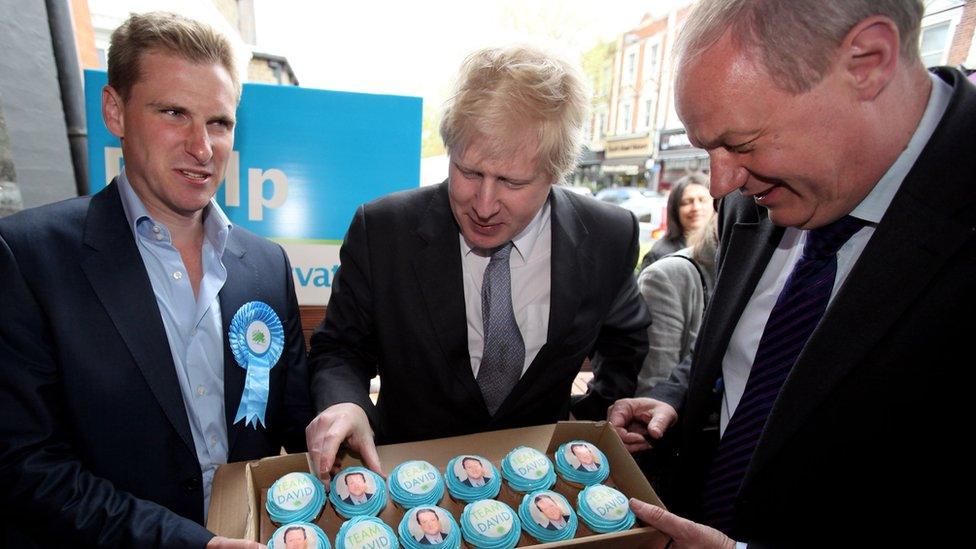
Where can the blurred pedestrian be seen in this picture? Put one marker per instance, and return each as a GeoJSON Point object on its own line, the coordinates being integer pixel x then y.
{"type": "Point", "coordinates": [689, 209]}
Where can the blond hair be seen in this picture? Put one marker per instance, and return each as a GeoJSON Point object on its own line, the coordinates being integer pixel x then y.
{"type": "Point", "coordinates": [501, 92]}
{"type": "Point", "coordinates": [168, 33]}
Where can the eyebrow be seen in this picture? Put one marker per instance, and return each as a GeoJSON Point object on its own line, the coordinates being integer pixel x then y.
{"type": "Point", "coordinates": [162, 105]}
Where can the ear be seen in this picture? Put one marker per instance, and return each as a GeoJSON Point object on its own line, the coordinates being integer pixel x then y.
{"type": "Point", "coordinates": [113, 111]}
{"type": "Point", "coordinates": [870, 55]}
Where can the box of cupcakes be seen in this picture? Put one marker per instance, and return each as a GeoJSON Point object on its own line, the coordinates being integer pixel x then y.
{"type": "Point", "coordinates": [553, 485]}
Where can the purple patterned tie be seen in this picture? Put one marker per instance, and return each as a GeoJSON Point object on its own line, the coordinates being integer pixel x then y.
{"type": "Point", "coordinates": [504, 353]}
{"type": "Point", "coordinates": [798, 309]}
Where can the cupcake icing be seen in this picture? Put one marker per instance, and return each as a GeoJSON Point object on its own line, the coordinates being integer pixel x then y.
{"type": "Point", "coordinates": [414, 483]}
{"type": "Point", "coordinates": [462, 486]}
{"type": "Point", "coordinates": [490, 524]}
{"type": "Point", "coordinates": [570, 463]}
{"type": "Point", "coordinates": [547, 516]}
{"type": "Point", "coordinates": [527, 469]}
{"type": "Point", "coordinates": [295, 497]}
{"type": "Point", "coordinates": [365, 533]}
{"type": "Point", "coordinates": [314, 535]}
{"type": "Point", "coordinates": [424, 525]}
{"type": "Point", "coordinates": [372, 489]}
{"type": "Point", "coordinates": [604, 509]}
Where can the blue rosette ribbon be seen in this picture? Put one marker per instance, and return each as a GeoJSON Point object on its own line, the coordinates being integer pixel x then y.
{"type": "Point", "coordinates": [257, 339]}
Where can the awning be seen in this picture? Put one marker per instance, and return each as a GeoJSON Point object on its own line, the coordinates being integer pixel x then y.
{"type": "Point", "coordinates": [627, 165]}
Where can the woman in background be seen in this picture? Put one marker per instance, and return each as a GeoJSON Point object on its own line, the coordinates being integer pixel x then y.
{"type": "Point", "coordinates": [689, 208]}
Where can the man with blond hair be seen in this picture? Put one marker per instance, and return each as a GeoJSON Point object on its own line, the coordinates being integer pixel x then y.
{"type": "Point", "coordinates": [830, 355]}
{"type": "Point", "coordinates": [128, 316]}
{"type": "Point", "coordinates": [478, 300]}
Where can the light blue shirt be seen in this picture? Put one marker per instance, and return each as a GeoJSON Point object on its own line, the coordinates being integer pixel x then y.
{"type": "Point", "coordinates": [193, 325]}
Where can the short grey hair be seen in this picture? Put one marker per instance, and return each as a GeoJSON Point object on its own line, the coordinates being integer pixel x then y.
{"type": "Point", "coordinates": [503, 90]}
{"type": "Point", "coordinates": [795, 39]}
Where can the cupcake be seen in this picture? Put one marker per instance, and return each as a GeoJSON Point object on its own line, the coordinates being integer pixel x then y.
{"type": "Point", "coordinates": [580, 463]}
{"type": "Point", "coordinates": [429, 525]}
{"type": "Point", "coordinates": [527, 470]}
{"type": "Point", "coordinates": [470, 478]}
{"type": "Point", "coordinates": [358, 492]}
{"type": "Point", "coordinates": [604, 509]}
{"type": "Point", "coordinates": [490, 524]}
{"type": "Point", "coordinates": [365, 533]}
{"type": "Point", "coordinates": [296, 533]}
{"type": "Point", "coordinates": [547, 516]}
{"type": "Point", "coordinates": [295, 497]}
{"type": "Point", "coordinates": [414, 483]}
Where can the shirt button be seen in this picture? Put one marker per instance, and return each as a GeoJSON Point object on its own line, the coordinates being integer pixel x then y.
{"type": "Point", "coordinates": [177, 275]}
{"type": "Point", "coordinates": [201, 390]}
{"type": "Point", "coordinates": [213, 440]}
{"type": "Point", "coordinates": [193, 332]}
{"type": "Point", "coordinates": [156, 229]}
{"type": "Point", "coordinates": [159, 236]}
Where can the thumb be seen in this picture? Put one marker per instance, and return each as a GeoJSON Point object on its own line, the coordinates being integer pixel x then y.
{"type": "Point", "coordinates": [656, 517]}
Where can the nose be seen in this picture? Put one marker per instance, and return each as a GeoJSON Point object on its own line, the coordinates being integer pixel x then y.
{"type": "Point", "coordinates": [486, 198]}
{"type": "Point", "coordinates": [198, 143]}
{"type": "Point", "coordinates": [727, 174]}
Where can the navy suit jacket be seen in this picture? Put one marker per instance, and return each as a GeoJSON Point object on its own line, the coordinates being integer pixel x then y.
{"type": "Point", "coordinates": [96, 447]}
{"type": "Point", "coordinates": [866, 431]}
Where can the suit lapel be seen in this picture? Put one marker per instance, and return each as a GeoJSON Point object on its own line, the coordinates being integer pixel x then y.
{"type": "Point", "coordinates": [117, 275]}
{"type": "Point", "coordinates": [437, 265]}
{"type": "Point", "coordinates": [237, 290]}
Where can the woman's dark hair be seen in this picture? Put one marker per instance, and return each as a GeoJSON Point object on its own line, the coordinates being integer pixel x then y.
{"type": "Point", "coordinates": [675, 231]}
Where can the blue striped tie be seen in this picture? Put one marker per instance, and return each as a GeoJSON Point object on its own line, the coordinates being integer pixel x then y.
{"type": "Point", "coordinates": [504, 353]}
{"type": "Point", "coordinates": [797, 312]}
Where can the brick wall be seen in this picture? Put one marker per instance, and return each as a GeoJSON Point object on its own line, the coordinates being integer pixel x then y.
{"type": "Point", "coordinates": [963, 37]}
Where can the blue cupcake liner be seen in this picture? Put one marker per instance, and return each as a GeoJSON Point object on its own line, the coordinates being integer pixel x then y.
{"type": "Point", "coordinates": [462, 491]}
{"type": "Point", "coordinates": [295, 497]}
{"type": "Point", "coordinates": [418, 476]}
{"type": "Point", "coordinates": [372, 507]}
{"type": "Point", "coordinates": [543, 533]}
{"type": "Point", "coordinates": [574, 475]}
{"type": "Point", "coordinates": [533, 472]}
{"type": "Point", "coordinates": [604, 509]}
{"type": "Point", "coordinates": [488, 516]}
{"type": "Point", "coordinates": [365, 533]}
{"type": "Point", "coordinates": [321, 539]}
{"type": "Point", "coordinates": [452, 541]}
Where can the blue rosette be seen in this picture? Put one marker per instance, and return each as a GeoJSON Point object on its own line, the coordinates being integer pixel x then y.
{"type": "Point", "coordinates": [534, 513]}
{"type": "Point", "coordinates": [412, 530]}
{"type": "Point", "coordinates": [257, 338]}
{"type": "Point", "coordinates": [308, 530]}
{"type": "Point", "coordinates": [295, 497]}
{"type": "Point", "coordinates": [414, 483]}
{"type": "Point", "coordinates": [575, 471]}
{"type": "Point", "coordinates": [527, 470]}
{"type": "Point", "coordinates": [604, 509]}
{"type": "Point", "coordinates": [462, 489]}
{"type": "Point", "coordinates": [365, 533]}
{"type": "Point", "coordinates": [490, 524]}
{"type": "Point", "coordinates": [345, 506]}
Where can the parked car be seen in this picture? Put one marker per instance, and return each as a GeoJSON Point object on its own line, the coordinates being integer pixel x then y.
{"type": "Point", "coordinates": [650, 208]}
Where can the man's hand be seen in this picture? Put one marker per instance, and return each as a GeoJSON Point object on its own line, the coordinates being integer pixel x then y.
{"type": "Point", "coordinates": [220, 542]}
{"type": "Point", "coordinates": [344, 422]}
{"type": "Point", "coordinates": [684, 533]}
{"type": "Point", "coordinates": [635, 419]}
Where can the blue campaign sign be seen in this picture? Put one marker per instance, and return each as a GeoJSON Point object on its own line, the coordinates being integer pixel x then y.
{"type": "Point", "coordinates": [303, 161]}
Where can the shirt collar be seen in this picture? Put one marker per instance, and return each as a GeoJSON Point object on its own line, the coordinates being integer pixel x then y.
{"type": "Point", "coordinates": [525, 241]}
{"type": "Point", "coordinates": [876, 203]}
{"type": "Point", "coordinates": [216, 224]}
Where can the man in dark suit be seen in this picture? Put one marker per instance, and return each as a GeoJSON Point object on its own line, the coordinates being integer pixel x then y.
{"type": "Point", "coordinates": [822, 116]}
{"type": "Point", "coordinates": [356, 486]}
{"type": "Point", "coordinates": [121, 392]}
{"type": "Point", "coordinates": [555, 519]}
{"type": "Point", "coordinates": [477, 300]}
{"type": "Point", "coordinates": [430, 524]}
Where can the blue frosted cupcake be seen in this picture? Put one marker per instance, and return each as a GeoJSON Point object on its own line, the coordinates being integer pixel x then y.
{"type": "Point", "coordinates": [295, 497]}
{"type": "Point", "coordinates": [312, 536]}
{"type": "Point", "coordinates": [604, 509]}
{"type": "Point", "coordinates": [429, 525]}
{"type": "Point", "coordinates": [358, 492]}
{"type": "Point", "coordinates": [470, 478]}
{"type": "Point", "coordinates": [414, 483]}
{"type": "Point", "coordinates": [365, 533]}
{"type": "Point", "coordinates": [527, 470]}
{"type": "Point", "coordinates": [490, 524]}
{"type": "Point", "coordinates": [547, 516]}
{"type": "Point", "coordinates": [581, 463]}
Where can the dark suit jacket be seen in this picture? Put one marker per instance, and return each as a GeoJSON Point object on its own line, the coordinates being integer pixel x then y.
{"type": "Point", "coordinates": [467, 481]}
{"type": "Point", "coordinates": [348, 499]}
{"type": "Point", "coordinates": [424, 541]}
{"type": "Point", "coordinates": [864, 434]}
{"type": "Point", "coordinates": [397, 307]}
{"type": "Point", "coordinates": [96, 443]}
{"type": "Point", "coordinates": [553, 527]}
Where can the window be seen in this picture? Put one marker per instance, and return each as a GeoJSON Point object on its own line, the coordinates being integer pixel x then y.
{"type": "Point", "coordinates": [934, 44]}
{"type": "Point", "coordinates": [623, 125]}
{"type": "Point", "coordinates": [631, 68]}
{"type": "Point", "coordinates": [648, 111]}
{"type": "Point", "coordinates": [652, 57]}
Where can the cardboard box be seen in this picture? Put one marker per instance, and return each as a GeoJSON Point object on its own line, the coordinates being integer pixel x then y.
{"type": "Point", "coordinates": [240, 489]}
